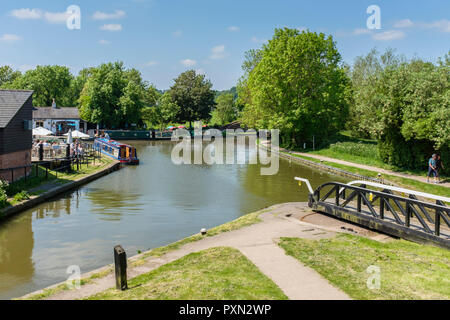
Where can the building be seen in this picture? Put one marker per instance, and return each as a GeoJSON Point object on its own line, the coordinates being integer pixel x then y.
{"type": "Point", "coordinates": [16, 114]}
{"type": "Point", "coordinates": [58, 120]}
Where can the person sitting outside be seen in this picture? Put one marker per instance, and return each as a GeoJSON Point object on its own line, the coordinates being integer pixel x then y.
{"type": "Point", "coordinates": [432, 168]}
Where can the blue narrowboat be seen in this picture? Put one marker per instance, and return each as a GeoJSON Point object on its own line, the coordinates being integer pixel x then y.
{"type": "Point", "coordinates": [123, 152]}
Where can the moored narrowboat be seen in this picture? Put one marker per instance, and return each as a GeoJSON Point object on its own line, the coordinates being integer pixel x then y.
{"type": "Point", "coordinates": [123, 152]}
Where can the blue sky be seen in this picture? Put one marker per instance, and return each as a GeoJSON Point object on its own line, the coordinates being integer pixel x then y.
{"type": "Point", "coordinates": [165, 38]}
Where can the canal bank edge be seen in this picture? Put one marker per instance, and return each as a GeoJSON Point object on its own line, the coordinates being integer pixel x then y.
{"type": "Point", "coordinates": [137, 260]}
{"type": "Point", "coordinates": [12, 210]}
{"type": "Point", "coordinates": [320, 166]}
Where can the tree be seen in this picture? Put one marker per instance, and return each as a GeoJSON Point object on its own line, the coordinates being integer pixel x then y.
{"type": "Point", "coordinates": [365, 74]}
{"type": "Point", "coordinates": [299, 86]}
{"type": "Point", "coordinates": [193, 94]}
{"type": "Point", "coordinates": [415, 102]}
{"type": "Point", "coordinates": [162, 113]}
{"type": "Point", "coordinates": [48, 83]}
{"type": "Point", "coordinates": [8, 75]}
{"type": "Point", "coordinates": [112, 96]}
{"type": "Point", "coordinates": [224, 111]}
{"type": "Point", "coordinates": [404, 104]}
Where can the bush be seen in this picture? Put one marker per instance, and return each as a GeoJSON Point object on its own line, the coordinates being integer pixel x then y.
{"type": "Point", "coordinates": [3, 195]}
{"type": "Point", "coordinates": [21, 196]}
{"type": "Point", "coordinates": [413, 154]}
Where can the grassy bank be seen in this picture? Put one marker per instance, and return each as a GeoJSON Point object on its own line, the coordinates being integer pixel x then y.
{"type": "Point", "coordinates": [216, 274]}
{"type": "Point", "coordinates": [404, 182]}
{"type": "Point", "coordinates": [41, 181]}
{"type": "Point", "coordinates": [408, 270]}
{"type": "Point", "coordinates": [241, 222]}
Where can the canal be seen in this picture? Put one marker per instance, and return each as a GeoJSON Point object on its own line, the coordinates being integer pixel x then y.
{"type": "Point", "coordinates": [141, 207]}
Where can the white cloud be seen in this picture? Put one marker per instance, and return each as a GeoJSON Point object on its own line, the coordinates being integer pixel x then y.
{"type": "Point", "coordinates": [200, 71]}
{"type": "Point", "coordinates": [257, 40]}
{"type": "Point", "coordinates": [234, 29]}
{"type": "Point", "coordinates": [151, 63]}
{"type": "Point", "coordinates": [35, 14]}
{"type": "Point", "coordinates": [302, 28]}
{"type": "Point", "coordinates": [177, 33]}
{"type": "Point", "coordinates": [9, 38]}
{"type": "Point", "coordinates": [218, 52]}
{"type": "Point", "coordinates": [26, 13]}
{"type": "Point", "coordinates": [358, 32]}
{"type": "Point", "coordinates": [188, 62]}
{"type": "Point", "coordinates": [98, 15]}
{"type": "Point", "coordinates": [111, 27]}
{"type": "Point", "coordinates": [442, 25]}
{"type": "Point", "coordinates": [389, 35]}
{"type": "Point", "coordinates": [405, 23]}
{"type": "Point", "coordinates": [104, 42]}
{"type": "Point", "coordinates": [26, 67]}
{"type": "Point", "coordinates": [56, 17]}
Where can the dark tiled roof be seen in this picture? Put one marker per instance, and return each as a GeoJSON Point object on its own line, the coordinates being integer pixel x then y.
{"type": "Point", "coordinates": [58, 113]}
{"type": "Point", "coordinates": [10, 103]}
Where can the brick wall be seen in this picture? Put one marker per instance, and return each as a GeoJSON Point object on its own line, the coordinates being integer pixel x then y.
{"type": "Point", "coordinates": [12, 160]}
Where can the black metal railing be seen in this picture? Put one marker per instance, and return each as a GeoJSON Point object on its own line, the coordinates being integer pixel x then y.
{"type": "Point", "coordinates": [384, 205]}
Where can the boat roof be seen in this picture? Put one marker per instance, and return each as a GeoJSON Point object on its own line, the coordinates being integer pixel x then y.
{"type": "Point", "coordinates": [113, 143]}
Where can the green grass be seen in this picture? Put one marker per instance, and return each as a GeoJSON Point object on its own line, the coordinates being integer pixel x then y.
{"type": "Point", "coordinates": [408, 270]}
{"type": "Point", "coordinates": [241, 222]}
{"type": "Point", "coordinates": [360, 151]}
{"type": "Point", "coordinates": [405, 182]}
{"type": "Point", "coordinates": [216, 274]}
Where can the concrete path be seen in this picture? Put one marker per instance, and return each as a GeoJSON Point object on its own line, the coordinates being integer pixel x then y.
{"type": "Point", "coordinates": [258, 243]}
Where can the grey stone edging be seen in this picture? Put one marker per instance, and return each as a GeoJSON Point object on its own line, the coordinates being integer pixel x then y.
{"type": "Point", "coordinates": [323, 167]}
{"type": "Point", "coordinates": [9, 211]}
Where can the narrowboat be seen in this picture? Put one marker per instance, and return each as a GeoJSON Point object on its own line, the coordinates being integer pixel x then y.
{"type": "Point", "coordinates": [124, 153]}
{"type": "Point", "coordinates": [129, 134]}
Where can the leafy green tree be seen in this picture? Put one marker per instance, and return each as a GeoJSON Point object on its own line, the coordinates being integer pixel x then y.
{"type": "Point", "coordinates": [162, 113]}
{"type": "Point", "coordinates": [299, 86]}
{"type": "Point", "coordinates": [8, 75]}
{"type": "Point", "coordinates": [404, 104]}
{"type": "Point", "coordinates": [152, 96]}
{"type": "Point", "coordinates": [193, 94]}
{"type": "Point", "coordinates": [112, 96]}
{"type": "Point", "coordinates": [365, 74]}
{"type": "Point", "coordinates": [48, 83]}
{"type": "Point", "coordinates": [414, 99]}
{"type": "Point", "coordinates": [225, 111]}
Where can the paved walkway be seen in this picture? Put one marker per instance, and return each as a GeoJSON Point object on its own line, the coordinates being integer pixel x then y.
{"type": "Point", "coordinates": [259, 243]}
{"type": "Point", "coordinates": [366, 167]}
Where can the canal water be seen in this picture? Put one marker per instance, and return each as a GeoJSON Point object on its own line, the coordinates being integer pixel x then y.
{"type": "Point", "coordinates": [140, 207]}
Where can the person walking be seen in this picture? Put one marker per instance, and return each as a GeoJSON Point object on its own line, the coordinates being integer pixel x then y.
{"type": "Point", "coordinates": [439, 167]}
{"type": "Point", "coordinates": [432, 168]}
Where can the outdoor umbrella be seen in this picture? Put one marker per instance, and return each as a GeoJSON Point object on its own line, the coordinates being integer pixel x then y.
{"type": "Point", "coordinates": [39, 131]}
{"type": "Point", "coordinates": [77, 134]}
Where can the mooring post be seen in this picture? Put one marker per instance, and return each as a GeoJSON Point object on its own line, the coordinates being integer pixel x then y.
{"type": "Point", "coordinates": [120, 261]}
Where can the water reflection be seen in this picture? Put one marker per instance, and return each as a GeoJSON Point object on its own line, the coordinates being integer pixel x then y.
{"type": "Point", "coordinates": [16, 246]}
{"type": "Point", "coordinates": [140, 208]}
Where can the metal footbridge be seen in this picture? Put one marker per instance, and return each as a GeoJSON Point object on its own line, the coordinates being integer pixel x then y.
{"type": "Point", "coordinates": [403, 213]}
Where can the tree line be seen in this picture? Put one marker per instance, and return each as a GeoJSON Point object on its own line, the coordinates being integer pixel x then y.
{"type": "Point", "coordinates": [297, 82]}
